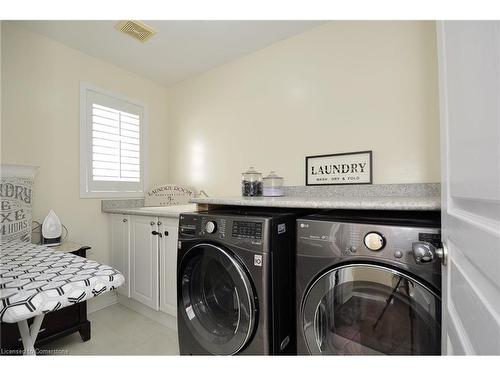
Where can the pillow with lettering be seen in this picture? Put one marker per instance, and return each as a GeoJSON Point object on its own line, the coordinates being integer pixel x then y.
{"type": "Point", "coordinates": [16, 194]}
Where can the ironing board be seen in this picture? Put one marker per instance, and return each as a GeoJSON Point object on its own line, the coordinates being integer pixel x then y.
{"type": "Point", "coordinates": [35, 280]}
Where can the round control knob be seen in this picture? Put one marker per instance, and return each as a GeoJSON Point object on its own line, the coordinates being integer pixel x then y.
{"type": "Point", "coordinates": [211, 227]}
{"type": "Point", "coordinates": [374, 241]}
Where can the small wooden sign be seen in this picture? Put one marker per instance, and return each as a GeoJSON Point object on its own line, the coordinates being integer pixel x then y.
{"type": "Point", "coordinates": [168, 195]}
{"type": "Point", "coordinates": [339, 169]}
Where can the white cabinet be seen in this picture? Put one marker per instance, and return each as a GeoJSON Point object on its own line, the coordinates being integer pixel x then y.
{"type": "Point", "coordinates": [144, 250]}
{"type": "Point", "coordinates": [144, 260]}
{"type": "Point", "coordinates": [168, 265]}
{"type": "Point", "coordinates": [119, 254]}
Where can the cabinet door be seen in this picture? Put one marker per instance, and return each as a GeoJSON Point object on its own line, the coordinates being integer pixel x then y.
{"type": "Point", "coordinates": [168, 266]}
{"type": "Point", "coordinates": [144, 260]}
{"type": "Point", "coordinates": [119, 237]}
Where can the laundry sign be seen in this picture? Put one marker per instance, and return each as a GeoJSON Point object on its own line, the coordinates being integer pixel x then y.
{"type": "Point", "coordinates": [339, 169]}
{"type": "Point", "coordinates": [168, 195]}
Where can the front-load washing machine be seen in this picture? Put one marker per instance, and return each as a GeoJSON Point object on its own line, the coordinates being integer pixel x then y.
{"type": "Point", "coordinates": [235, 283]}
{"type": "Point", "coordinates": [368, 282]}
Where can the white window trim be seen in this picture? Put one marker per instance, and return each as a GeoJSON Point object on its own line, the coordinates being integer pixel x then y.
{"type": "Point", "coordinates": [85, 147]}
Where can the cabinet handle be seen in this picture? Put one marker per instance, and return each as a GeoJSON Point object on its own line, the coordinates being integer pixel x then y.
{"type": "Point", "coordinates": [124, 220]}
{"type": "Point", "coordinates": [152, 223]}
{"type": "Point", "coordinates": [165, 233]}
{"type": "Point", "coordinates": [155, 233]}
{"type": "Point", "coordinates": [158, 223]}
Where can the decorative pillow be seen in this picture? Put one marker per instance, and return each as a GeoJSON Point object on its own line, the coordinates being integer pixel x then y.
{"type": "Point", "coordinates": [16, 183]}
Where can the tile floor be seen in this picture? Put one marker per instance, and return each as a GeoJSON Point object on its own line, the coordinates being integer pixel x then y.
{"type": "Point", "coordinates": [117, 330]}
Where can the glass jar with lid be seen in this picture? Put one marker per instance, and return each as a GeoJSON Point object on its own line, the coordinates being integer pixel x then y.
{"type": "Point", "coordinates": [251, 183]}
{"type": "Point", "coordinates": [273, 185]}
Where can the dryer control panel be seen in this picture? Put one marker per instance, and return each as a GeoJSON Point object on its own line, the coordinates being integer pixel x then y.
{"type": "Point", "coordinates": [370, 241]}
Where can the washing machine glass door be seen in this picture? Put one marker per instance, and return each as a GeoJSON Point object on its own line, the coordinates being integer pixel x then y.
{"type": "Point", "coordinates": [368, 309]}
{"type": "Point", "coordinates": [217, 299]}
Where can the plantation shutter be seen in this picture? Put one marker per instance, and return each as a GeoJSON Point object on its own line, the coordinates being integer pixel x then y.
{"type": "Point", "coordinates": [115, 145]}
{"type": "Point", "coordinates": [112, 145]}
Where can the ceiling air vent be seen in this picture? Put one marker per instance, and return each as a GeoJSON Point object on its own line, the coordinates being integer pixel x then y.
{"type": "Point", "coordinates": [136, 30]}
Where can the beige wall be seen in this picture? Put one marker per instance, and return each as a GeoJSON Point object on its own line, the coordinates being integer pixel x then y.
{"type": "Point", "coordinates": [344, 86]}
{"type": "Point", "coordinates": [341, 87]}
{"type": "Point", "coordinates": [40, 125]}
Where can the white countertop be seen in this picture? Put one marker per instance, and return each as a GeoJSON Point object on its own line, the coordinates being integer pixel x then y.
{"type": "Point", "coordinates": [167, 211]}
{"type": "Point", "coordinates": [421, 197]}
{"type": "Point", "coordinates": [429, 203]}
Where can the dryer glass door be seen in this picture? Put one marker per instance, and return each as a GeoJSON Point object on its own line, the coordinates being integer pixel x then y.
{"type": "Point", "coordinates": [368, 309]}
{"type": "Point", "coordinates": [217, 299]}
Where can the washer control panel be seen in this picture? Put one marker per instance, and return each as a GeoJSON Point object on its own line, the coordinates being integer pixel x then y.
{"type": "Point", "coordinates": [239, 230]}
{"type": "Point", "coordinates": [247, 229]}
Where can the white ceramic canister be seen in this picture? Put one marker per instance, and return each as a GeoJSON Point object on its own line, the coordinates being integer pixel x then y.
{"type": "Point", "coordinates": [273, 185]}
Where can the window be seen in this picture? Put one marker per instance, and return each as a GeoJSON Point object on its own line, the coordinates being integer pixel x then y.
{"type": "Point", "coordinates": [112, 131]}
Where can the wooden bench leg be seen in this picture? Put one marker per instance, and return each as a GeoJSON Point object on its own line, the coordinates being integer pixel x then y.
{"type": "Point", "coordinates": [85, 331]}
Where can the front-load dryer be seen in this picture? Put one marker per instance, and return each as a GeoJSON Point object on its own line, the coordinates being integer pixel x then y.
{"type": "Point", "coordinates": [369, 283]}
{"type": "Point", "coordinates": [235, 283]}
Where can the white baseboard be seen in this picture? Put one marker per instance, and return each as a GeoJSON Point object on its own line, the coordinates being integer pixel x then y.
{"type": "Point", "coordinates": [101, 302]}
{"type": "Point", "coordinates": [165, 319]}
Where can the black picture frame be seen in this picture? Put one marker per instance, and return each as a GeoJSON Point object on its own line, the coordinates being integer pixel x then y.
{"type": "Point", "coordinates": [369, 152]}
